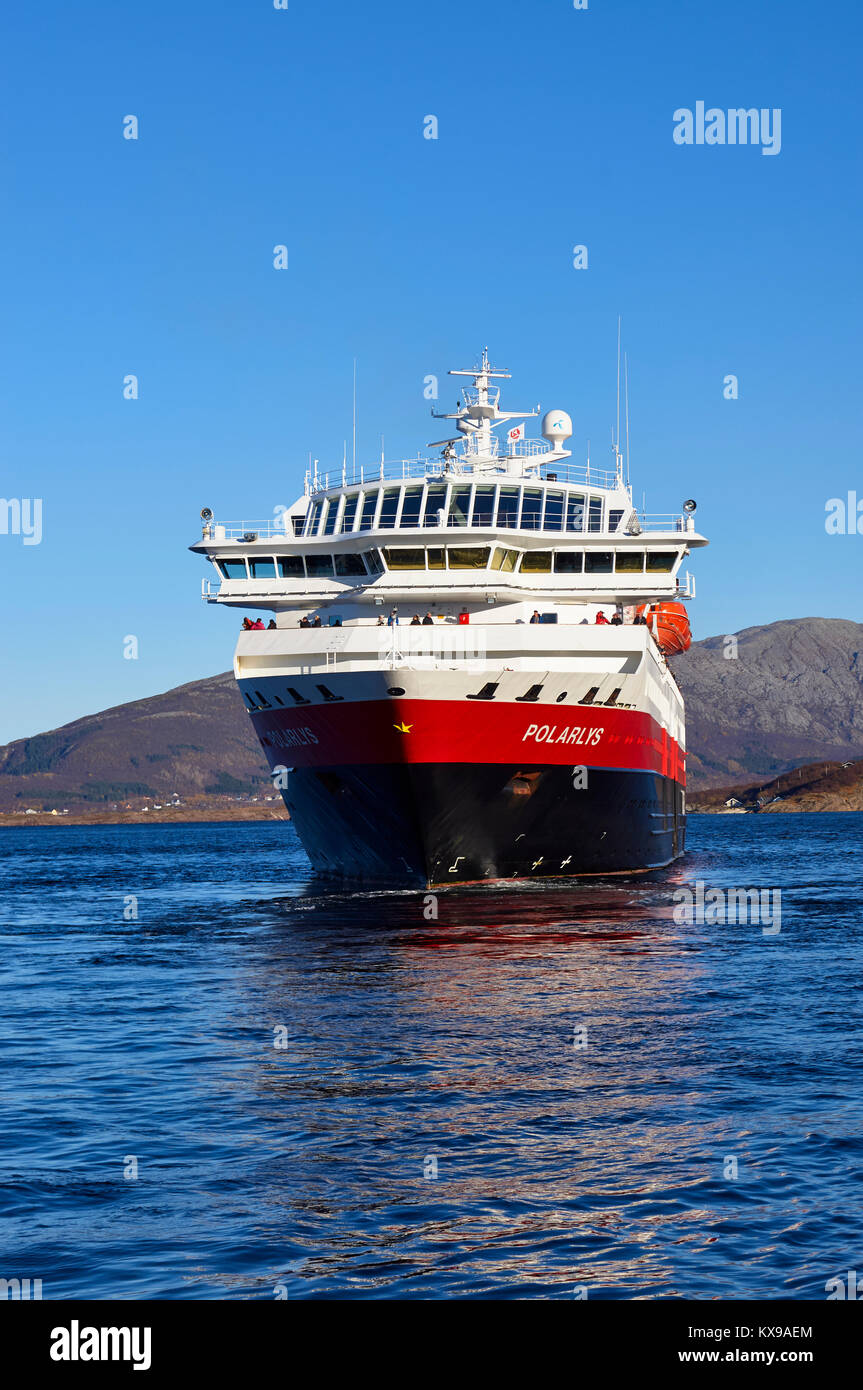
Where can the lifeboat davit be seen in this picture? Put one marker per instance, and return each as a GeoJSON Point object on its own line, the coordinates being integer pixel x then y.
{"type": "Point", "coordinates": [670, 624]}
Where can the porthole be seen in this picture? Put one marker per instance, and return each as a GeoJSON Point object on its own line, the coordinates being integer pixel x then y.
{"type": "Point", "coordinates": [561, 696]}
{"type": "Point", "coordinates": [395, 690]}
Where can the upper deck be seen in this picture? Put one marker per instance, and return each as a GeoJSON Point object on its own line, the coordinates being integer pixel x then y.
{"type": "Point", "coordinates": [501, 512]}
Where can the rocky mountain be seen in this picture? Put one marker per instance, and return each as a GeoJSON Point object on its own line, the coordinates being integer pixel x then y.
{"type": "Point", "coordinates": [772, 698]}
{"type": "Point", "coordinates": [195, 739]}
{"type": "Point", "coordinates": [759, 705]}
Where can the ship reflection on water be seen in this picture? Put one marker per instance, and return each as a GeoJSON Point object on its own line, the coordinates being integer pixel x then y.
{"type": "Point", "coordinates": [514, 1098]}
{"type": "Point", "coordinates": [495, 917]}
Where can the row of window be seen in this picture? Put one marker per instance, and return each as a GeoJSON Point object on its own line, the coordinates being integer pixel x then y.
{"type": "Point", "coordinates": [472, 557]}
{"type": "Point", "coordinates": [458, 504]}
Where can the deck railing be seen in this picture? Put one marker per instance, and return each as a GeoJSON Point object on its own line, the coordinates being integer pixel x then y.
{"type": "Point", "coordinates": [531, 454]}
{"type": "Point", "coordinates": [650, 523]}
{"type": "Point", "coordinates": [665, 521]}
{"type": "Point", "coordinates": [211, 591]}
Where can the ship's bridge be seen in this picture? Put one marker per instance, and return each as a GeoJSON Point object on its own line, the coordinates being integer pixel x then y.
{"type": "Point", "coordinates": [544, 494]}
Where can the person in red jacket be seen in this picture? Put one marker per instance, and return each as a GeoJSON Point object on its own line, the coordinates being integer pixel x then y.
{"type": "Point", "coordinates": [601, 618]}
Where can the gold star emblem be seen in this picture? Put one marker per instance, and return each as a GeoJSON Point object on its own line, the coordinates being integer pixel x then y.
{"type": "Point", "coordinates": [403, 728]}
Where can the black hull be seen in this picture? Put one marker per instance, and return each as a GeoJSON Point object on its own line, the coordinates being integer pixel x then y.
{"type": "Point", "coordinates": [430, 825]}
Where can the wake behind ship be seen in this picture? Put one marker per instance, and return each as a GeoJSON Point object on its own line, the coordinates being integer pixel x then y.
{"type": "Point", "coordinates": [467, 677]}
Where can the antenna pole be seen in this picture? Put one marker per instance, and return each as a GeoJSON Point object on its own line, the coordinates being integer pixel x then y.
{"type": "Point", "coordinates": [355, 416]}
{"type": "Point", "coordinates": [626, 397]}
{"type": "Point", "coordinates": [617, 437]}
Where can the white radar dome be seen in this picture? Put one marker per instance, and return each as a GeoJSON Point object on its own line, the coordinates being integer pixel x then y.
{"type": "Point", "coordinates": [556, 426]}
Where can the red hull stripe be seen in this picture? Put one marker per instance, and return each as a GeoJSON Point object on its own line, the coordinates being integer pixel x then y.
{"type": "Point", "coordinates": [466, 731]}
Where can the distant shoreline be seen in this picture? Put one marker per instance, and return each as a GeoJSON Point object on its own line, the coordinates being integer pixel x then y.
{"type": "Point", "coordinates": [216, 812]}
{"type": "Point", "coordinates": [246, 815]}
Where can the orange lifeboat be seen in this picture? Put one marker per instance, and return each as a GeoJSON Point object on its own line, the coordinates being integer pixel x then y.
{"type": "Point", "coordinates": [670, 624]}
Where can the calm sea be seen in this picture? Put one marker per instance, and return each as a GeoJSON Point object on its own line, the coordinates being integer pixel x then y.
{"type": "Point", "coordinates": [250, 1086]}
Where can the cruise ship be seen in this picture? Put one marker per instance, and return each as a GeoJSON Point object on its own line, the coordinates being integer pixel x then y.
{"type": "Point", "coordinates": [463, 674]}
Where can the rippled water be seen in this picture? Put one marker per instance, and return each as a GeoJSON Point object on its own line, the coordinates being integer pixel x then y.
{"type": "Point", "coordinates": [414, 1042]}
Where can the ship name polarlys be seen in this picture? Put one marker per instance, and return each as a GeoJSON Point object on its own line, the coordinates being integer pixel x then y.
{"type": "Point", "coordinates": [291, 738]}
{"type": "Point", "coordinates": [542, 733]}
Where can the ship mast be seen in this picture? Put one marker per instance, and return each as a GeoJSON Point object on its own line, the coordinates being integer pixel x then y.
{"type": "Point", "coordinates": [479, 414]}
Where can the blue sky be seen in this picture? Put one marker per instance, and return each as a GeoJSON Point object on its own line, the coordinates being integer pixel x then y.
{"type": "Point", "coordinates": [305, 127]}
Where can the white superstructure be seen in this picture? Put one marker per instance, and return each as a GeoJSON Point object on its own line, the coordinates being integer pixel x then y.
{"type": "Point", "coordinates": [498, 524]}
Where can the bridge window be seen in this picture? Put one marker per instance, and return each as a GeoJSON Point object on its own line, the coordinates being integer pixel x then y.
{"type": "Point", "coordinates": [531, 509]}
{"type": "Point", "coordinates": [459, 507]}
{"type": "Point", "coordinates": [483, 506]}
{"type": "Point", "coordinates": [553, 520]}
{"type": "Point", "coordinates": [594, 520]}
{"type": "Point", "coordinates": [504, 560]}
{"type": "Point", "coordinates": [597, 562]}
{"type": "Point", "coordinates": [350, 511]}
{"type": "Point", "coordinates": [536, 562]}
{"type": "Point", "coordinates": [507, 507]}
{"type": "Point", "coordinates": [314, 518]}
{"type": "Point", "coordinates": [435, 506]}
{"type": "Point", "coordinates": [389, 507]}
{"type": "Point", "coordinates": [436, 558]}
{"type": "Point", "coordinates": [262, 569]}
{"type": "Point", "coordinates": [332, 513]}
{"type": "Point", "coordinates": [629, 562]}
{"type": "Point", "coordinates": [473, 558]}
{"type": "Point", "coordinates": [660, 561]}
{"type": "Point", "coordinates": [367, 515]}
{"type": "Point", "coordinates": [568, 561]}
{"type": "Point", "coordinates": [290, 566]}
{"type": "Point", "coordinates": [614, 519]}
{"type": "Point", "coordinates": [232, 569]}
{"type": "Point", "coordinates": [405, 559]}
{"type": "Point", "coordinates": [374, 562]}
{"type": "Point", "coordinates": [575, 512]}
{"type": "Point", "coordinates": [349, 566]}
{"type": "Point", "coordinates": [411, 506]}
{"type": "Point", "coordinates": [319, 566]}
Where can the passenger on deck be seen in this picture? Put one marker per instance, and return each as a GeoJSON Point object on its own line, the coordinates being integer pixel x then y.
{"type": "Point", "coordinates": [601, 619]}
{"type": "Point", "coordinates": [304, 622]}
{"type": "Point", "coordinates": [428, 620]}
{"type": "Point", "coordinates": [380, 622]}
{"type": "Point", "coordinates": [393, 619]}
{"type": "Point", "coordinates": [535, 617]}
{"type": "Point", "coordinates": [247, 624]}
{"type": "Point", "coordinates": [616, 620]}
{"type": "Point", "coordinates": [271, 624]}
{"type": "Point", "coordinates": [317, 620]}
{"type": "Point", "coordinates": [258, 624]}
{"type": "Point", "coordinates": [415, 620]}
